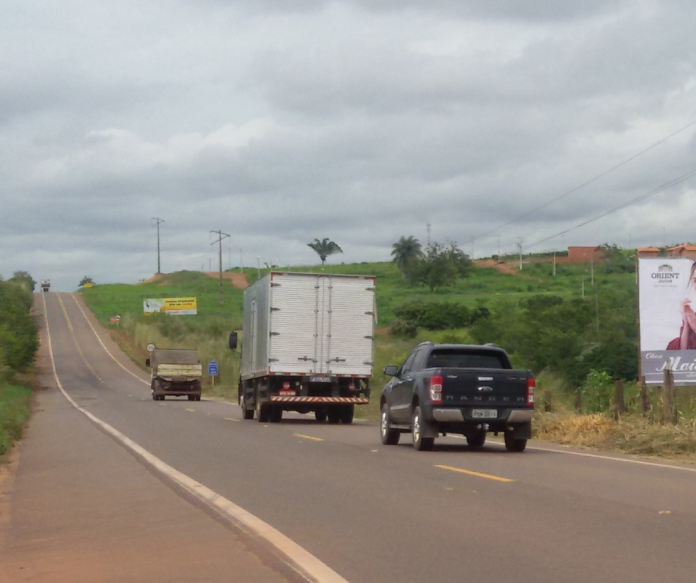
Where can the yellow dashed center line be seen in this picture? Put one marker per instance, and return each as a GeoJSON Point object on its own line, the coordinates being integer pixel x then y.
{"type": "Point", "coordinates": [307, 437]}
{"type": "Point", "coordinates": [192, 410]}
{"type": "Point", "coordinates": [230, 419]}
{"type": "Point", "coordinates": [477, 474]}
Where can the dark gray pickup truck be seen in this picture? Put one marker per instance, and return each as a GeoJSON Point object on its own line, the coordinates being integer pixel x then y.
{"type": "Point", "coordinates": [457, 388]}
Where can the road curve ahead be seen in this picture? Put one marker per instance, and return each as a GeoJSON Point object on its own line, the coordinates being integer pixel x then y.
{"type": "Point", "coordinates": [364, 512]}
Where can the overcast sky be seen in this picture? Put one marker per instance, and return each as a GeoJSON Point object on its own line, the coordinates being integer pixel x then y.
{"type": "Point", "coordinates": [282, 121]}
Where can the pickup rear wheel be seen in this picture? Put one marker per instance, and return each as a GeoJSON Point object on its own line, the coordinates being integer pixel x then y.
{"type": "Point", "coordinates": [476, 440]}
{"type": "Point", "coordinates": [512, 444]}
{"type": "Point", "coordinates": [420, 443]}
{"type": "Point", "coordinates": [389, 436]}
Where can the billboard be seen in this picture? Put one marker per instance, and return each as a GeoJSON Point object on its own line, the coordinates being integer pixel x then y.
{"type": "Point", "coordinates": [171, 306]}
{"type": "Point", "coordinates": [667, 292]}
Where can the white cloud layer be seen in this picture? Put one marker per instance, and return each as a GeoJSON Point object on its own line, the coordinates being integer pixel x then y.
{"type": "Point", "coordinates": [284, 121]}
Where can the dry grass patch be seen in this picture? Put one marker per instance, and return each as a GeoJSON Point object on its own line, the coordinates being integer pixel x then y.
{"type": "Point", "coordinates": [631, 434]}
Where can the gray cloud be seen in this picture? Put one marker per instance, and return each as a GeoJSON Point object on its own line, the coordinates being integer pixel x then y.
{"type": "Point", "coordinates": [279, 122]}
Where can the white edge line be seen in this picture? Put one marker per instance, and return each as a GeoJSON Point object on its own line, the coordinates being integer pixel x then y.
{"type": "Point", "coordinates": [103, 345]}
{"type": "Point", "coordinates": [602, 457]}
{"type": "Point", "coordinates": [291, 553]}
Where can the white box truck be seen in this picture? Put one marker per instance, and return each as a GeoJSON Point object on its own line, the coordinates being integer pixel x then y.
{"type": "Point", "coordinates": [307, 345]}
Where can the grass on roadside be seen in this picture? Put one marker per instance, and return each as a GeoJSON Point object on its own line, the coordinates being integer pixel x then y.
{"type": "Point", "coordinates": [14, 411]}
{"type": "Point", "coordinates": [631, 434]}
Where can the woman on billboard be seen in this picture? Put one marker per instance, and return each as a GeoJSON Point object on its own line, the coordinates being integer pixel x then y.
{"type": "Point", "coordinates": [687, 334]}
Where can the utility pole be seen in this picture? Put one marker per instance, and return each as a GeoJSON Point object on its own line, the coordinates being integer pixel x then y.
{"type": "Point", "coordinates": [519, 244]}
{"type": "Point", "coordinates": [221, 236]}
{"type": "Point", "coordinates": [554, 264]}
{"type": "Point", "coordinates": [241, 261]}
{"type": "Point", "coordinates": [159, 270]}
{"type": "Point", "coordinates": [428, 228]}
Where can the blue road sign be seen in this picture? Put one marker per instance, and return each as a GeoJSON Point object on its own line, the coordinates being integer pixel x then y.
{"type": "Point", "coordinates": [212, 368]}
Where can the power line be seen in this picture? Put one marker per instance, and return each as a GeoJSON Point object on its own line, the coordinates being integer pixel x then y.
{"type": "Point", "coordinates": [642, 197]}
{"type": "Point", "coordinates": [588, 182]}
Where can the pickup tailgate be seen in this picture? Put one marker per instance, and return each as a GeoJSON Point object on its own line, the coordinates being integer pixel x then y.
{"type": "Point", "coordinates": [484, 388]}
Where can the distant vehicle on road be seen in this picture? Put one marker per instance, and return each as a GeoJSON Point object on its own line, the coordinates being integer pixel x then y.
{"type": "Point", "coordinates": [307, 345]}
{"type": "Point", "coordinates": [455, 388]}
{"type": "Point", "coordinates": [176, 373]}
{"type": "Point", "coordinates": [45, 285]}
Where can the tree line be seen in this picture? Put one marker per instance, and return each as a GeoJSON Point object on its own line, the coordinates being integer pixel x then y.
{"type": "Point", "coordinates": [18, 330]}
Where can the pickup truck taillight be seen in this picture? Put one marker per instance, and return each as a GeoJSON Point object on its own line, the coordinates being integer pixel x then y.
{"type": "Point", "coordinates": [436, 389]}
{"type": "Point", "coordinates": [531, 385]}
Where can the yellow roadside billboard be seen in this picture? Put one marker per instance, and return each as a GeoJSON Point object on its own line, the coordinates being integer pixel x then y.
{"type": "Point", "coordinates": [171, 306]}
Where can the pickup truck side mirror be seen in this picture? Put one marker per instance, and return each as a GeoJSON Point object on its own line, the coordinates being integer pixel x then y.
{"type": "Point", "coordinates": [233, 341]}
{"type": "Point", "coordinates": [147, 362]}
{"type": "Point", "coordinates": [391, 370]}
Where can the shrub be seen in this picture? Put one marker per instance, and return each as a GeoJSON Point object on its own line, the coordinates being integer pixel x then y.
{"type": "Point", "coordinates": [403, 328]}
{"type": "Point", "coordinates": [597, 391]}
{"type": "Point", "coordinates": [435, 315]}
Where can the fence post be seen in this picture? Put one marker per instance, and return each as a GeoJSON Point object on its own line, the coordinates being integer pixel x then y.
{"type": "Point", "coordinates": [644, 396]}
{"type": "Point", "coordinates": [618, 398]}
{"type": "Point", "coordinates": [668, 394]}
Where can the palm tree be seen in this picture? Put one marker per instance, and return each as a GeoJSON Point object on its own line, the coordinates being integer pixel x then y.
{"type": "Point", "coordinates": [406, 251]}
{"type": "Point", "coordinates": [325, 248]}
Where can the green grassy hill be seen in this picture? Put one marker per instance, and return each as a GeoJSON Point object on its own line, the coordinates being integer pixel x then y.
{"type": "Point", "coordinates": [208, 331]}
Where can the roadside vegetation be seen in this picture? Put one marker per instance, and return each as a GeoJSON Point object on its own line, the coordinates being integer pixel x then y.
{"type": "Point", "coordinates": [573, 325]}
{"type": "Point", "coordinates": [18, 344]}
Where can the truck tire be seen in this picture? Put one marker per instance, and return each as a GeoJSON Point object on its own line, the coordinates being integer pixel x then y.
{"type": "Point", "coordinates": [334, 415]}
{"type": "Point", "coordinates": [346, 413]}
{"type": "Point", "coordinates": [389, 436]}
{"type": "Point", "coordinates": [276, 415]}
{"type": "Point", "coordinates": [512, 444]}
{"type": "Point", "coordinates": [192, 397]}
{"type": "Point", "coordinates": [262, 411]}
{"type": "Point", "coordinates": [247, 412]}
{"type": "Point", "coordinates": [476, 440]}
{"type": "Point", "coordinates": [320, 415]}
{"type": "Point", "coordinates": [420, 443]}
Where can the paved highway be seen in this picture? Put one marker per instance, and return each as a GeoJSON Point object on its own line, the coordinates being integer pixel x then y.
{"type": "Point", "coordinates": [371, 513]}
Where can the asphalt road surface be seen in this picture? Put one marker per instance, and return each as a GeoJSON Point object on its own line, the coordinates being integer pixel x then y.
{"type": "Point", "coordinates": [369, 513]}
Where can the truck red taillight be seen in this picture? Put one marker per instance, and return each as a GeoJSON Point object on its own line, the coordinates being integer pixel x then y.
{"type": "Point", "coordinates": [286, 385]}
{"type": "Point", "coordinates": [531, 385]}
{"type": "Point", "coordinates": [436, 389]}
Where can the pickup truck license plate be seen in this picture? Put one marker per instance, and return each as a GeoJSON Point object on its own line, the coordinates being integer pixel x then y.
{"type": "Point", "coordinates": [484, 413]}
{"type": "Point", "coordinates": [319, 379]}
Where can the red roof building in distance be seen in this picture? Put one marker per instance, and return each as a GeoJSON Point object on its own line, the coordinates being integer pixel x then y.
{"type": "Point", "coordinates": [648, 251]}
{"type": "Point", "coordinates": [683, 250]}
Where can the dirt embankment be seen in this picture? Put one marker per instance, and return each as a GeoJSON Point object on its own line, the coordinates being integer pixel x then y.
{"type": "Point", "coordinates": [237, 280]}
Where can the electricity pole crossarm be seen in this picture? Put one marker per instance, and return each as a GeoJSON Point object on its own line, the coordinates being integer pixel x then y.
{"type": "Point", "coordinates": [221, 236]}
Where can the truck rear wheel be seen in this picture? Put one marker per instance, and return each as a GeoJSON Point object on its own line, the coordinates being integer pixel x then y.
{"type": "Point", "coordinates": [262, 412]}
{"type": "Point", "coordinates": [346, 413]}
{"type": "Point", "coordinates": [334, 415]}
{"type": "Point", "coordinates": [247, 413]}
{"type": "Point", "coordinates": [276, 415]}
{"type": "Point", "coordinates": [320, 415]}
